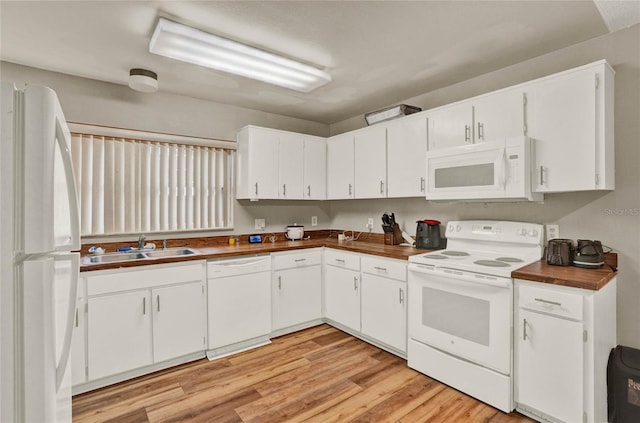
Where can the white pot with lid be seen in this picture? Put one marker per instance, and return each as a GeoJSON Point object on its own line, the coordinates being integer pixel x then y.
{"type": "Point", "coordinates": [295, 232]}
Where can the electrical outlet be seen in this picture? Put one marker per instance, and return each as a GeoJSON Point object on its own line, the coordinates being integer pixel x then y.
{"type": "Point", "coordinates": [370, 224]}
{"type": "Point", "coordinates": [260, 224]}
{"type": "Point", "coordinates": [314, 220]}
{"type": "Point", "coordinates": [553, 231]}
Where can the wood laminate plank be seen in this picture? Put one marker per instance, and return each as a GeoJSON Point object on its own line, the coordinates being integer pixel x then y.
{"type": "Point", "coordinates": [316, 375]}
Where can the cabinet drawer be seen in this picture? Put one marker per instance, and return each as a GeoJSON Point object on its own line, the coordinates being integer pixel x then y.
{"type": "Point", "coordinates": [144, 277]}
{"type": "Point", "coordinates": [298, 259]}
{"type": "Point", "coordinates": [551, 301]}
{"type": "Point", "coordinates": [342, 259]}
{"type": "Point", "coordinates": [388, 268]}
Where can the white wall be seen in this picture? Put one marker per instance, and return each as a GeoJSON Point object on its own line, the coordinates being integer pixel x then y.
{"type": "Point", "coordinates": [612, 217]}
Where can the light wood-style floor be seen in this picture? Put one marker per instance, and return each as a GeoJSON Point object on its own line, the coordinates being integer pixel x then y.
{"type": "Point", "coordinates": [316, 375]}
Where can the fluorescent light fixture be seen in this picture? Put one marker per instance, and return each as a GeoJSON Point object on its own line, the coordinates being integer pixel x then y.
{"type": "Point", "coordinates": [180, 42]}
{"type": "Point", "coordinates": [389, 113]}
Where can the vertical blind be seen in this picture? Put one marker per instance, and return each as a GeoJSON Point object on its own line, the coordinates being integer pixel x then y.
{"type": "Point", "coordinates": [137, 186]}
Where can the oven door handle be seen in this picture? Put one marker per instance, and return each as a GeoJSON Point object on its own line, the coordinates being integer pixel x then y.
{"type": "Point", "coordinates": [457, 275]}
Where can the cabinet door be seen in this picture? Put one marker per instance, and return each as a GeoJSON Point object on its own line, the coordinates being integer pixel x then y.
{"type": "Point", "coordinates": [296, 296]}
{"type": "Point", "coordinates": [342, 296]}
{"type": "Point", "coordinates": [406, 157]}
{"type": "Point", "coordinates": [118, 333]}
{"type": "Point", "coordinates": [451, 126]}
{"type": "Point", "coordinates": [263, 163]}
{"type": "Point", "coordinates": [178, 325]}
{"type": "Point", "coordinates": [499, 116]}
{"type": "Point", "coordinates": [384, 310]}
{"type": "Point", "coordinates": [549, 368]}
{"type": "Point", "coordinates": [315, 169]}
{"type": "Point", "coordinates": [370, 146]}
{"type": "Point", "coordinates": [239, 308]}
{"type": "Point", "coordinates": [290, 166]}
{"type": "Point", "coordinates": [564, 126]}
{"type": "Point", "coordinates": [340, 163]}
{"type": "Point", "coordinates": [78, 358]}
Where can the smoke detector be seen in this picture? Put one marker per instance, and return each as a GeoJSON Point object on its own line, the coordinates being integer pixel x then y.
{"type": "Point", "coordinates": [143, 80]}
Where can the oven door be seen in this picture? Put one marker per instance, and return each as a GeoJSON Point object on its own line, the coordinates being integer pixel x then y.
{"type": "Point", "coordinates": [464, 314]}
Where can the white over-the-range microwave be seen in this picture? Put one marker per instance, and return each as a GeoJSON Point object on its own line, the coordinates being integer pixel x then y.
{"type": "Point", "coordinates": [495, 170]}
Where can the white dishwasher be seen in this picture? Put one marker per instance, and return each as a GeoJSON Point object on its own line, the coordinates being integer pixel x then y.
{"type": "Point", "coordinates": [239, 304]}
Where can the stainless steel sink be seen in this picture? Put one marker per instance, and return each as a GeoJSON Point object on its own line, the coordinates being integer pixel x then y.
{"type": "Point", "coordinates": [114, 257]}
{"type": "Point", "coordinates": [169, 252]}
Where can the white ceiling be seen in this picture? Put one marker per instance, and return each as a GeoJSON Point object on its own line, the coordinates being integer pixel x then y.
{"type": "Point", "coordinates": [378, 52]}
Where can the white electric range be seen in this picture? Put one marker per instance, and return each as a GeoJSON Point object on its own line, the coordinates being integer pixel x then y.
{"type": "Point", "coordinates": [461, 306]}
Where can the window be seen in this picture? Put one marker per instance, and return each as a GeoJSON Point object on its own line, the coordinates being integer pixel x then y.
{"type": "Point", "coordinates": [139, 182]}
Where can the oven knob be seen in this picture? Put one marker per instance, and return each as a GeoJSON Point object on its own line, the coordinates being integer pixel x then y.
{"type": "Point", "coordinates": [522, 232]}
{"type": "Point", "coordinates": [450, 228]}
{"type": "Point", "coordinates": [458, 228]}
{"type": "Point", "coordinates": [533, 232]}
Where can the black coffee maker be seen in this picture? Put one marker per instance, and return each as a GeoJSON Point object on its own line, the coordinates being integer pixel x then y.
{"type": "Point", "coordinates": [428, 234]}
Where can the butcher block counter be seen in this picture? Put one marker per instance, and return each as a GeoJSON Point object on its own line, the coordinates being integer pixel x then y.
{"type": "Point", "coordinates": [218, 247]}
{"type": "Point", "coordinates": [575, 277]}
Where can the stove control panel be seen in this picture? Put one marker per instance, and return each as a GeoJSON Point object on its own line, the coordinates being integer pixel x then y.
{"type": "Point", "coordinates": [499, 231]}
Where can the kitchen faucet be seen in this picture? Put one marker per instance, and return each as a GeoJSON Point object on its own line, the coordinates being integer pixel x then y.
{"type": "Point", "coordinates": [141, 241]}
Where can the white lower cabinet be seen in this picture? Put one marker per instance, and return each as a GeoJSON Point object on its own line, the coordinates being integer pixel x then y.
{"type": "Point", "coordinates": [296, 290]}
{"type": "Point", "coordinates": [342, 288]}
{"type": "Point", "coordinates": [119, 337]}
{"type": "Point", "coordinates": [141, 317]}
{"type": "Point", "coordinates": [239, 304]}
{"type": "Point", "coordinates": [384, 301]}
{"type": "Point", "coordinates": [563, 337]}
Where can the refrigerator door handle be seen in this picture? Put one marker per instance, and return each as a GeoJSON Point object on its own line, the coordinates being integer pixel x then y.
{"type": "Point", "coordinates": [63, 138]}
{"type": "Point", "coordinates": [61, 366]}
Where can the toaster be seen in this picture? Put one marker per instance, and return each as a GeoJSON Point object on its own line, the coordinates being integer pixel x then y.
{"type": "Point", "coordinates": [560, 252]}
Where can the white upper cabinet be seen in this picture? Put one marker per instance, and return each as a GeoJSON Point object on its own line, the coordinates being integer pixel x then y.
{"type": "Point", "coordinates": [290, 165]}
{"type": "Point", "coordinates": [340, 162]}
{"type": "Point", "coordinates": [573, 130]}
{"type": "Point", "coordinates": [488, 117]}
{"type": "Point", "coordinates": [370, 154]}
{"type": "Point", "coordinates": [257, 170]}
{"type": "Point", "coordinates": [315, 168]}
{"type": "Point", "coordinates": [273, 164]}
{"type": "Point", "coordinates": [406, 157]}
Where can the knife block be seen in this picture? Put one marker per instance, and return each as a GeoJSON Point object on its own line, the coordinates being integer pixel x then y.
{"type": "Point", "coordinates": [392, 235]}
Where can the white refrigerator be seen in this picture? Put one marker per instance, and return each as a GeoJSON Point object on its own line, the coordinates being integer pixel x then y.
{"type": "Point", "coordinates": [39, 230]}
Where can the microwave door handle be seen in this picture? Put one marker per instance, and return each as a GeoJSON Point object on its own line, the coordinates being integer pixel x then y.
{"type": "Point", "coordinates": [503, 169]}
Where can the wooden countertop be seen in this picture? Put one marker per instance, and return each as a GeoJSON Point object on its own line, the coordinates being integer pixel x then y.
{"type": "Point", "coordinates": [591, 279]}
{"type": "Point", "coordinates": [242, 249]}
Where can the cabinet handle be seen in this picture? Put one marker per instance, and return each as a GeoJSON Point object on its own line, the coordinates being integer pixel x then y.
{"type": "Point", "coordinates": [541, 175]}
{"type": "Point", "coordinates": [355, 283]}
{"type": "Point", "coordinates": [382, 269]}
{"type": "Point", "coordinates": [524, 114]}
{"type": "Point", "coordinates": [256, 188]}
{"type": "Point", "coordinates": [541, 300]}
{"type": "Point", "coordinates": [279, 282]}
{"type": "Point", "coordinates": [284, 190]}
{"type": "Point", "coordinates": [144, 306]}
{"type": "Point", "coordinates": [401, 295]}
{"type": "Point", "coordinates": [340, 261]}
{"type": "Point", "coordinates": [158, 300]}
{"type": "Point", "coordinates": [308, 190]}
{"type": "Point", "coordinates": [300, 259]}
{"type": "Point", "coordinates": [524, 329]}
{"type": "Point", "coordinates": [76, 316]}
{"type": "Point", "coordinates": [480, 131]}
{"type": "Point", "coordinates": [421, 184]}
{"type": "Point", "coordinates": [381, 187]}
{"type": "Point", "coordinates": [350, 187]}
{"type": "Point", "coordinates": [467, 133]}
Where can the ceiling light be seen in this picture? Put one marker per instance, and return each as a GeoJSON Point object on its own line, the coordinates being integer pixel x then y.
{"type": "Point", "coordinates": [143, 80]}
{"type": "Point", "coordinates": [389, 113]}
{"type": "Point", "coordinates": [177, 41]}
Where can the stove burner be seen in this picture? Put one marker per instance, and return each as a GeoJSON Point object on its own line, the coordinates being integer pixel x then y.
{"type": "Point", "coordinates": [510, 259]}
{"type": "Point", "coordinates": [435, 256]}
{"type": "Point", "coordinates": [491, 263]}
{"type": "Point", "coordinates": [454, 253]}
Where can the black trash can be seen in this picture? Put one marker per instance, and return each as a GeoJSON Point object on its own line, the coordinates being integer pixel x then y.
{"type": "Point", "coordinates": [623, 385]}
